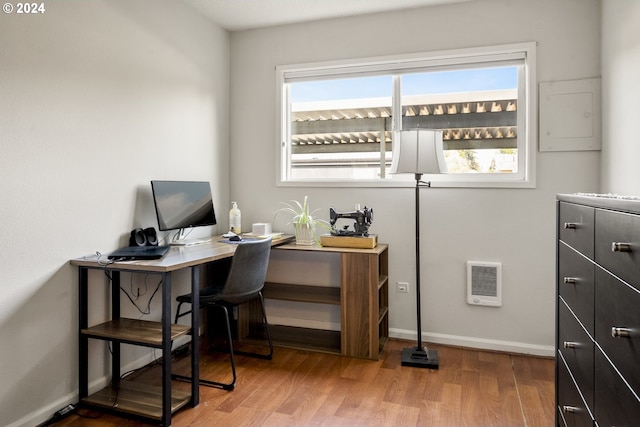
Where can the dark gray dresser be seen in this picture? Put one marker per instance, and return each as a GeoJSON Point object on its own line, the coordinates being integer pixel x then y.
{"type": "Point", "coordinates": [598, 311]}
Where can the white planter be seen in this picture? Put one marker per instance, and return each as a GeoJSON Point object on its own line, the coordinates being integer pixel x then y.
{"type": "Point", "coordinates": [305, 235]}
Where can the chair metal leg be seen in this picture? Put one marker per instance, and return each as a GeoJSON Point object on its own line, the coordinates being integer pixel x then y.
{"type": "Point", "coordinates": [266, 327]}
{"type": "Point", "coordinates": [231, 385]}
{"type": "Point", "coordinates": [208, 383]}
{"type": "Point", "coordinates": [269, 355]}
{"type": "Point", "coordinates": [178, 315]}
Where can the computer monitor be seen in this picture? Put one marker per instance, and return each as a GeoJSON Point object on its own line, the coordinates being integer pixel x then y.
{"type": "Point", "coordinates": [183, 204]}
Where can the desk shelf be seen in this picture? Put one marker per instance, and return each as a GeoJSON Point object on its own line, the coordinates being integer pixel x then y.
{"type": "Point", "coordinates": [383, 280]}
{"type": "Point", "coordinates": [362, 296]}
{"type": "Point", "coordinates": [306, 339]}
{"type": "Point", "coordinates": [137, 399]}
{"type": "Point", "coordinates": [302, 293]}
{"type": "Point", "coordinates": [383, 304]}
{"type": "Point", "coordinates": [134, 331]}
{"type": "Point", "coordinates": [156, 403]}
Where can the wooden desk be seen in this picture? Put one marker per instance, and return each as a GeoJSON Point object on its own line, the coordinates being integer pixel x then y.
{"type": "Point", "coordinates": [156, 403]}
{"type": "Point", "coordinates": [362, 297]}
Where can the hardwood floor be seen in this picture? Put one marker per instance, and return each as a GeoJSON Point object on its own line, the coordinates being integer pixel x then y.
{"type": "Point", "coordinates": [300, 388]}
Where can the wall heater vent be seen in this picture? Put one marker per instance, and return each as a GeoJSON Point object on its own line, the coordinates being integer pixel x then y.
{"type": "Point", "coordinates": [484, 283]}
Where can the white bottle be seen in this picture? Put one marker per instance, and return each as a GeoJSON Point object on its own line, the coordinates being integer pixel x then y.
{"type": "Point", "coordinates": [235, 220]}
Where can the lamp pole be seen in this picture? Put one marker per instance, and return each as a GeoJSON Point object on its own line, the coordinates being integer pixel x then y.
{"type": "Point", "coordinates": [418, 302]}
{"type": "Point", "coordinates": [419, 356]}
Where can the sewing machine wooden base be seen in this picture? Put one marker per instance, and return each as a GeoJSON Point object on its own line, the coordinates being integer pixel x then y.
{"type": "Point", "coordinates": [360, 242]}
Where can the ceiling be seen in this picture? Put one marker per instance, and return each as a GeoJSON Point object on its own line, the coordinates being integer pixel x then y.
{"type": "Point", "coordinates": [235, 15]}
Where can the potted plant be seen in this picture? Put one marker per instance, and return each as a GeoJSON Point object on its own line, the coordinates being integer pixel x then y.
{"type": "Point", "coordinates": [304, 222]}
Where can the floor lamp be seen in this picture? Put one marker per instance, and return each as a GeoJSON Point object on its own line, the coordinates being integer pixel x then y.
{"type": "Point", "coordinates": [418, 151]}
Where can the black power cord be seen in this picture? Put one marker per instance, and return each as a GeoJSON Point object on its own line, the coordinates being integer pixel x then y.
{"type": "Point", "coordinates": [60, 414]}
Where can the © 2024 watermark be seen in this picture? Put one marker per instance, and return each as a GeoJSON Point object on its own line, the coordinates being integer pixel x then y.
{"type": "Point", "coordinates": [24, 8]}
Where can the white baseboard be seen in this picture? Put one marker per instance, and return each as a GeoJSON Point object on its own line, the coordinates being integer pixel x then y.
{"type": "Point", "coordinates": [43, 414]}
{"type": "Point", "coordinates": [477, 343]}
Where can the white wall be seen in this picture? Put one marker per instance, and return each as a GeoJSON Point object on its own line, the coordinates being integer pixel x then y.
{"type": "Point", "coordinates": [96, 99]}
{"type": "Point", "coordinates": [515, 227]}
{"type": "Point", "coordinates": [620, 92]}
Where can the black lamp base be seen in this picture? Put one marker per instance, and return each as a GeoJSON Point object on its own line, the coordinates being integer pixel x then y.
{"type": "Point", "coordinates": [420, 357]}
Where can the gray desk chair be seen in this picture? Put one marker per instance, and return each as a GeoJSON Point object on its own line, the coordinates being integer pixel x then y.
{"type": "Point", "coordinates": [244, 283]}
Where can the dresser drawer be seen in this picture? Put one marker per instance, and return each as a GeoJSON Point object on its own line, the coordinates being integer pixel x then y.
{"type": "Point", "coordinates": [615, 404]}
{"type": "Point", "coordinates": [618, 306]}
{"type": "Point", "coordinates": [575, 227]}
{"type": "Point", "coordinates": [576, 284]}
{"type": "Point", "coordinates": [617, 244]}
{"type": "Point", "coordinates": [576, 348]}
{"type": "Point", "coordinates": [572, 412]}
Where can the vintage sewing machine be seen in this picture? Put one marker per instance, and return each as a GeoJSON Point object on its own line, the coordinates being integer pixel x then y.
{"type": "Point", "coordinates": [362, 217]}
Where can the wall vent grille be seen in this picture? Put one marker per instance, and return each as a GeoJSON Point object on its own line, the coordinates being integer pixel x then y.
{"type": "Point", "coordinates": [484, 283]}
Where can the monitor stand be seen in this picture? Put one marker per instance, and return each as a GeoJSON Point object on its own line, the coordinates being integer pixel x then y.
{"type": "Point", "coordinates": [180, 239]}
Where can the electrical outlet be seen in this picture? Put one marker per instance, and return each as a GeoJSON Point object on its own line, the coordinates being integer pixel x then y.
{"type": "Point", "coordinates": [403, 287]}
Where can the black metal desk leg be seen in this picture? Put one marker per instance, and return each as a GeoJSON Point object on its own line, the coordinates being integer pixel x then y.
{"type": "Point", "coordinates": [195, 336]}
{"type": "Point", "coordinates": [115, 314]}
{"type": "Point", "coordinates": [166, 349]}
{"type": "Point", "coordinates": [83, 323]}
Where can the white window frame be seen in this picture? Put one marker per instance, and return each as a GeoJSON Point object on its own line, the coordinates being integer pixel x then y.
{"type": "Point", "coordinates": [527, 111]}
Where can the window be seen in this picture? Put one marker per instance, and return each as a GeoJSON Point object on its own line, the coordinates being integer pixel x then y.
{"type": "Point", "coordinates": [338, 119]}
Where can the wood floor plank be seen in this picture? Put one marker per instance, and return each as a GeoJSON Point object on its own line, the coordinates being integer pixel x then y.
{"type": "Point", "coordinates": [535, 378]}
{"type": "Point", "coordinates": [303, 388]}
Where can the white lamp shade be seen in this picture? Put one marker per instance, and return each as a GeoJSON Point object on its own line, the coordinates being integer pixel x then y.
{"type": "Point", "coordinates": [418, 151]}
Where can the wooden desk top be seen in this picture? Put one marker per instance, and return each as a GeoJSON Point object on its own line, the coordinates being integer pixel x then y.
{"type": "Point", "coordinates": [177, 258]}
{"type": "Point", "coordinates": [380, 247]}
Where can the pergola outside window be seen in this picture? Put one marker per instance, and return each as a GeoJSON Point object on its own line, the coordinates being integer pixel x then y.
{"type": "Point", "coordinates": [338, 119]}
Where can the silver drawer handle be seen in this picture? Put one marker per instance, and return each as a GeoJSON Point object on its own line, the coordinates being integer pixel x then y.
{"type": "Point", "coordinates": [618, 332]}
{"type": "Point", "coordinates": [570, 225]}
{"type": "Point", "coordinates": [570, 409]}
{"type": "Point", "coordinates": [620, 247]}
{"type": "Point", "coordinates": [570, 344]}
{"type": "Point", "coordinates": [570, 280]}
